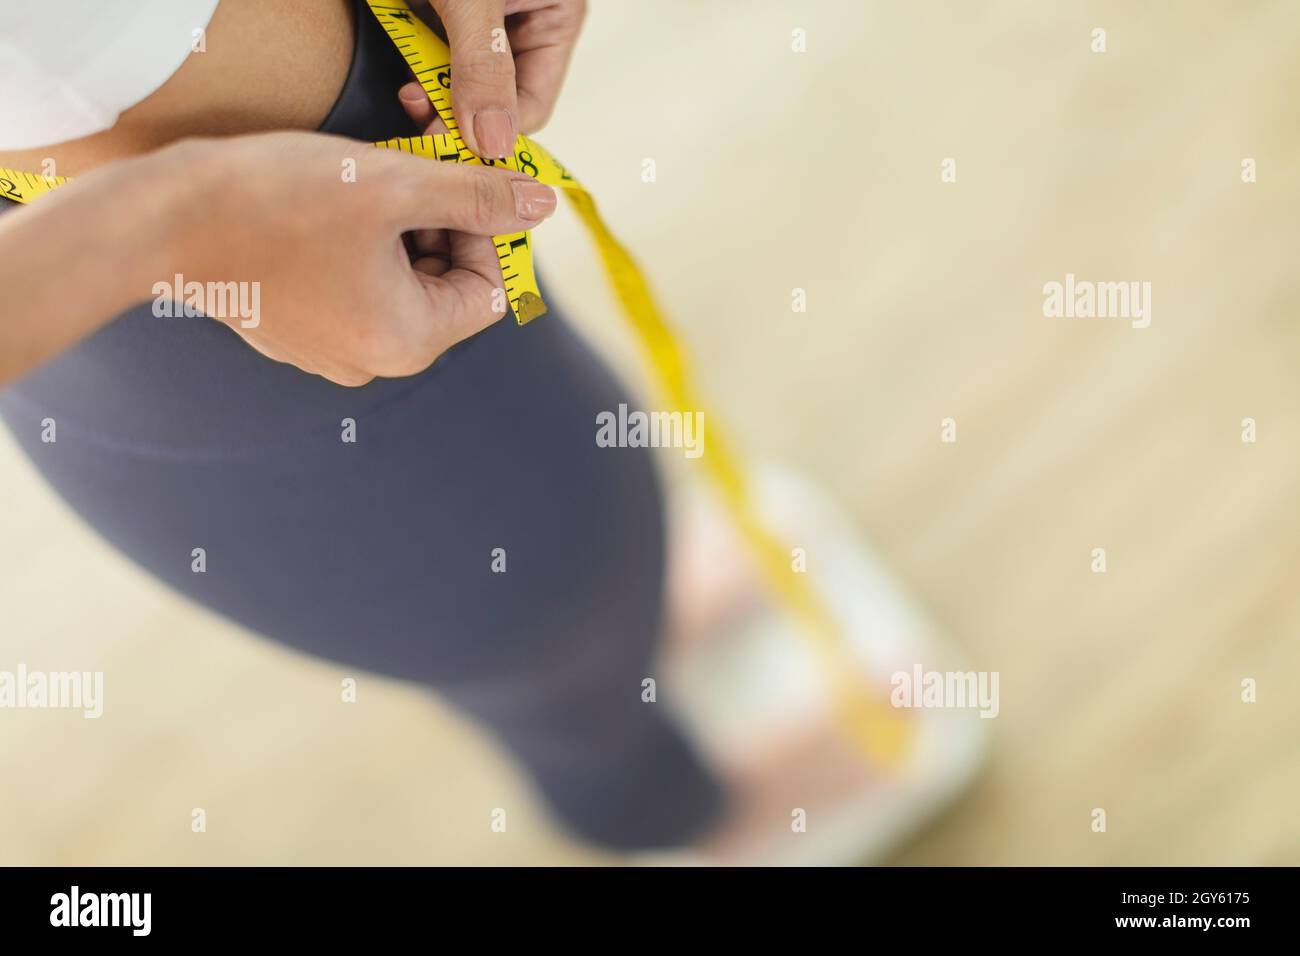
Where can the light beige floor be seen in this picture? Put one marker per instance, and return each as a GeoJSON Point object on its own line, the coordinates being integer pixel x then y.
{"type": "Point", "coordinates": [820, 171]}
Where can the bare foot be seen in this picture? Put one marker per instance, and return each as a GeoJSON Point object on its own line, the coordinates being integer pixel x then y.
{"type": "Point", "coordinates": [712, 578]}
{"type": "Point", "coordinates": [780, 794]}
{"type": "Point", "coordinates": [757, 697]}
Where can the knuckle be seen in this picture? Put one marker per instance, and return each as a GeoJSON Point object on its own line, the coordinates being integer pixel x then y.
{"type": "Point", "coordinates": [374, 346]}
{"type": "Point", "coordinates": [457, 9]}
{"type": "Point", "coordinates": [416, 362]}
{"type": "Point", "coordinates": [387, 363]}
{"type": "Point", "coordinates": [411, 359]}
{"type": "Point", "coordinates": [398, 347]}
{"type": "Point", "coordinates": [485, 69]}
{"type": "Point", "coordinates": [351, 379]}
{"type": "Point", "coordinates": [485, 197]}
{"type": "Point", "coordinates": [387, 359]}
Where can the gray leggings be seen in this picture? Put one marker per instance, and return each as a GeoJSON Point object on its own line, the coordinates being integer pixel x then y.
{"type": "Point", "coordinates": [172, 435]}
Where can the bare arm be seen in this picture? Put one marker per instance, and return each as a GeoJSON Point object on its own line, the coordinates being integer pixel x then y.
{"type": "Point", "coordinates": [77, 257]}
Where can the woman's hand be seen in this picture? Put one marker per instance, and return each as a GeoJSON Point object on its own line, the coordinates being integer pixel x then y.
{"type": "Point", "coordinates": [508, 59]}
{"type": "Point", "coordinates": [319, 221]}
{"type": "Point", "coordinates": [314, 223]}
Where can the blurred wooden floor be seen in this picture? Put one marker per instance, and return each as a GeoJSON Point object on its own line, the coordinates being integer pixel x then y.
{"type": "Point", "coordinates": [820, 171]}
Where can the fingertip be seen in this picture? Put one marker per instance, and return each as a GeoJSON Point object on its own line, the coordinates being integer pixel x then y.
{"type": "Point", "coordinates": [416, 103]}
{"type": "Point", "coordinates": [495, 132]}
{"type": "Point", "coordinates": [534, 201]}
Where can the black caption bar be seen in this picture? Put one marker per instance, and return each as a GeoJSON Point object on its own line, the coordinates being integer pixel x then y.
{"type": "Point", "coordinates": [375, 905]}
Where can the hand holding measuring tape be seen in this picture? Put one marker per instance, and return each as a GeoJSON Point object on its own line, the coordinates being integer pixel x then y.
{"type": "Point", "coordinates": [510, 57]}
{"type": "Point", "coordinates": [341, 298]}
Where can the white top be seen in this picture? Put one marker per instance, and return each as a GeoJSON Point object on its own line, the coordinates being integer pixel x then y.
{"type": "Point", "coordinates": [69, 68]}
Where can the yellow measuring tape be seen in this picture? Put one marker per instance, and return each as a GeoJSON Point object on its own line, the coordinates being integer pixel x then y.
{"type": "Point", "coordinates": [880, 731]}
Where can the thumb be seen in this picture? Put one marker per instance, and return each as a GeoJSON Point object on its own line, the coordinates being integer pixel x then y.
{"type": "Point", "coordinates": [414, 193]}
{"type": "Point", "coordinates": [483, 93]}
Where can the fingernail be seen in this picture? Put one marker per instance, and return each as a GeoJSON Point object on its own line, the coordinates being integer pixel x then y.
{"type": "Point", "coordinates": [411, 93]}
{"type": "Point", "coordinates": [533, 200]}
{"type": "Point", "coordinates": [495, 132]}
